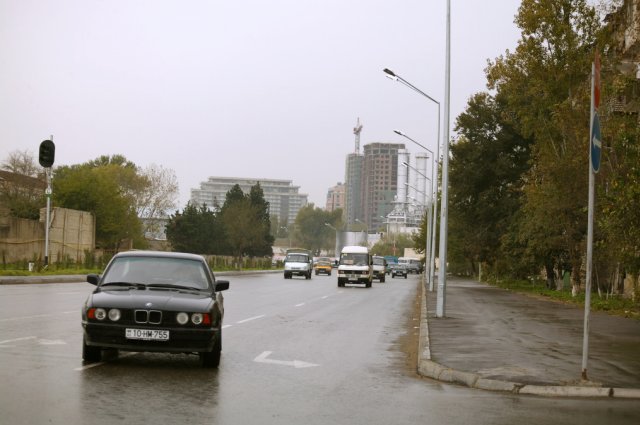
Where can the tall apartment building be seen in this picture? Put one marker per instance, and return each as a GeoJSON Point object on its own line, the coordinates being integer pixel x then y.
{"type": "Point", "coordinates": [353, 188]}
{"type": "Point", "coordinates": [379, 182]}
{"type": "Point", "coordinates": [283, 197]}
{"type": "Point", "coordinates": [335, 197]}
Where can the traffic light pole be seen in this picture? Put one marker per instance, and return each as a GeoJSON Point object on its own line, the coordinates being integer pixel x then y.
{"type": "Point", "coordinates": [47, 218]}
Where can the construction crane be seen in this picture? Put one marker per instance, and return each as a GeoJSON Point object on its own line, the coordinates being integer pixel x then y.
{"type": "Point", "coordinates": [356, 130]}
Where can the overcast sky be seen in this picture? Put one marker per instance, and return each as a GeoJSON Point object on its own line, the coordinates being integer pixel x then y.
{"type": "Point", "coordinates": [238, 88]}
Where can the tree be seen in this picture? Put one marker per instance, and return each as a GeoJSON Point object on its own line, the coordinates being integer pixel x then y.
{"type": "Point", "coordinates": [194, 230]}
{"type": "Point", "coordinates": [393, 244]}
{"type": "Point", "coordinates": [23, 163]}
{"type": "Point", "coordinates": [263, 244]}
{"type": "Point", "coordinates": [102, 188]}
{"type": "Point", "coordinates": [22, 188]}
{"type": "Point", "coordinates": [246, 223]}
{"type": "Point", "coordinates": [543, 86]}
{"type": "Point", "coordinates": [488, 162]}
{"type": "Point", "coordinates": [157, 197]}
{"type": "Point", "coordinates": [312, 233]}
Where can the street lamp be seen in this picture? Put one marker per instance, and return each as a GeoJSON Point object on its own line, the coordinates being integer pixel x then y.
{"type": "Point", "coordinates": [365, 231]}
{"type": "Point", "coordinates": [335, 250]}
{"type": "Point", "coordinates": [442, 252]}
{"type": "Point", "coordinates": [432, 260]}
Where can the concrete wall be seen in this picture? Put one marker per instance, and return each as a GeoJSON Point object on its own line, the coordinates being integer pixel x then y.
{"type": "Point", "coordinates": [72, 232]}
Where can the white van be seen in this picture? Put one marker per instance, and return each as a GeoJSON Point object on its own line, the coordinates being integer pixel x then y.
{"type": "Point", "coordinates": [413, 265]}
{"type": "Point", "coordinates": [355, 266]}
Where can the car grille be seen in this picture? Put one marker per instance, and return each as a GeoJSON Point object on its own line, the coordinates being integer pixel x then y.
{"type": "Point", "coordinates": [153, 317]}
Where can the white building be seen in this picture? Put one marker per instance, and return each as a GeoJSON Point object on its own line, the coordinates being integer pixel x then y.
{"type": "Point", "coordinates": [282, 196]}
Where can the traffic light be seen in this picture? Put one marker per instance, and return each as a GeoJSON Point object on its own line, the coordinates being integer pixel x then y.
{"type": "Point", "coordinates": [47, 153]}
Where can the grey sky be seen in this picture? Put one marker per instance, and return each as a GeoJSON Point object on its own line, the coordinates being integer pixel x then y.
{"type": "Point", "coordinates": [244, 88]}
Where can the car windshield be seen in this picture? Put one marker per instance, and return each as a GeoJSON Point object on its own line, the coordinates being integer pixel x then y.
{"type": "Point", "coordinates": [157, 272]}
{"type": "Point", "coordinates": [378, 261]}
{"type": "Point", "coordinates": [349, 259]}
{"type": "Point", "coordinates": [297, 258]}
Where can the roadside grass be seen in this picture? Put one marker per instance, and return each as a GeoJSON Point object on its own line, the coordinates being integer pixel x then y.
{"type": "Point", "coordinates": [612, 304]}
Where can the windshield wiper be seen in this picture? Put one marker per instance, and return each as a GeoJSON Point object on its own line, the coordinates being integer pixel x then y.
{"type": "Point", "coordinates": [172, 286]}
{"type": "Point", "coordinates": [127, 284]}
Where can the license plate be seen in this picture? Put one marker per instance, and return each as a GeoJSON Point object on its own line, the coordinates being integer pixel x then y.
{"type": "Point", "coordinates": [148, 334]}
{"type": "Point", "coordinates": [353, 277]}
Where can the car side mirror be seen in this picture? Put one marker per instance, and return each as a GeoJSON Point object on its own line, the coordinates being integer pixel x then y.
{"type": "Point", "coordinates": [222, 285]}
{"type": "Point", "coordinates": [93, 279]}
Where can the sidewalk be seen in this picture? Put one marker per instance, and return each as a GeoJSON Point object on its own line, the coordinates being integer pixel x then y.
{"type": "Point", "coordinates": [499, 340]}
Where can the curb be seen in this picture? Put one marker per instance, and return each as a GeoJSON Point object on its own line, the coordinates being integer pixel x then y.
{"type": "Point", "coordinates": [430, 369]}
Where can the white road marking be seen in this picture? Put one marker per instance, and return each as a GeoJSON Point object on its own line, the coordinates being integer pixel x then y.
{"type": "Point", "coordinates": [24, 338]}
{"type": "Point", "coordinates": [89, 366]}
{"type": "Point", "coordinates": [250, 319]}
{"type": "Point", "coordinates": [226, 326]}
{"type": "Point", "coordinates": [300, 305]}
{"type": "Point", "coordinates": [51, 342]}
{"type": "Point", "coordinates": [298, 364]}
{"type": "Point", "coordinates": [38, 316]}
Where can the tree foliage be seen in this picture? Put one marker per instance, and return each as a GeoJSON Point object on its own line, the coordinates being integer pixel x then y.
{"type": "Point", "coordinates": [23, 194]}
{"type": "Point", "coordinates": [521, 217]}
{"type": "Point", "coordinates": [311, 230]}
{"type": "Point", "coordinates": [240, 227]}
{"type": "Point", "coordinates": [104, 189]}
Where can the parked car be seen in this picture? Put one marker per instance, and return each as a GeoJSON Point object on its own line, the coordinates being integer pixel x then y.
{"type": "Point", "coordinates": [323, 265]}
{"type": "Point", "coordinates": [155, 301]}
{"type": "Point", "coordinates": [399, 269]}
{"type": "Point", "coordinates": [379, 268]}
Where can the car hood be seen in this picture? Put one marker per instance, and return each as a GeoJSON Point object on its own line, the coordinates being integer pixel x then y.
{"type": "Point", "coordinates": [160, 299]}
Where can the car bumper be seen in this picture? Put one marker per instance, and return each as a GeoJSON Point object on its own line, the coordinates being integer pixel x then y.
{"type": "Point", "coordinates": [180, 340]}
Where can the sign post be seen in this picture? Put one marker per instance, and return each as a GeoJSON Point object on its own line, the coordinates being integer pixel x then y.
{"type": "Point", "coordinates": [595, 148]}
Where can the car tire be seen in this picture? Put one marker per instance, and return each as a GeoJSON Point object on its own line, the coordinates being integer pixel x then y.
{"type": "Point", "coordinates": [382, 279]}
{"type": "Point", "coordinates": [405, 276]}
{"type": "Point", "coordinates": [90, 353]}
{"type": "Point", "coordinates": [211, 359]}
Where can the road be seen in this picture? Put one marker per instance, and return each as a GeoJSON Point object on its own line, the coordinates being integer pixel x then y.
{"type": "Point", "coordinates": [294, 351]}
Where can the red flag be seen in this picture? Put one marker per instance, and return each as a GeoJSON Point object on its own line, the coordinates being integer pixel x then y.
{"type": "Point", "coordinates": [596, 82]}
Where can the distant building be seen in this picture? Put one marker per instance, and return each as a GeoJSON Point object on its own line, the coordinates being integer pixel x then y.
{"type": "Point", "coordinates": [379, 182]}
{"type": "Point", "coordinates": [353, 188]}
{"type": "Point", "coordinates": [335, 198]}
{"type": "Point", "coordinates": [282, 196]}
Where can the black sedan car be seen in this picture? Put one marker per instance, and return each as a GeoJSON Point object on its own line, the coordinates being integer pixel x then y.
{"type": "Point", "coordinates": [155, 301]}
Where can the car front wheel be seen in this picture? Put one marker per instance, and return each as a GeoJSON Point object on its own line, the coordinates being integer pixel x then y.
{"type": "Point", "coordinates": [212, 358]}
{"type": "Point", "coordinates": [90, 353]}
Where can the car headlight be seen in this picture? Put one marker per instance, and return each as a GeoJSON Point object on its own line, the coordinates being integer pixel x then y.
{"type": "Point", "coordinates": [100, 314]}
{"type": "Point", "coordinates": [196, 318]}
{"type": "Point", "coordinates": [114, 315]}
{"type": "Point", "coordinates": [182, 318]}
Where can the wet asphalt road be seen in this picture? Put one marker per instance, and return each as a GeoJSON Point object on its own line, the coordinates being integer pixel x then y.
{"type": "Point", "coordinates": [294, 351]}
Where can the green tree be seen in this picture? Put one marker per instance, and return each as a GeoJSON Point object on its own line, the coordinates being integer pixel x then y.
{"type": "Point", "coordinates": [264, 243]}
{"type": "Point", "coordinates": [194, 230]}
{"type": "Point", "coordinates": [96, 189]}
{"type": "Point", "coordinates": [23, 192]}
{"type": "Point", "coordinates": [243, 220]}
{"type": "Point", "coordinates": [312, 233]}
{"type": "Point", "coordinates": [543, 86]}
{"type": "Point", "coordinates": [488, 162]}
{"type": "Point", "coordinates": [393, 244]}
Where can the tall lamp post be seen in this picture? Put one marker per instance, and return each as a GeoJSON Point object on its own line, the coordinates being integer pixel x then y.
{"type": "Point", "coordinates": [366, 232]}
{"type": "Point", "coordinates": [430, 233]}
{"type": "Point", "coordinates": [442, 251]}
{"type": "Point", "coordinates": [335, 250]}
{"type": "Point", "coordinates": [432, 250]}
